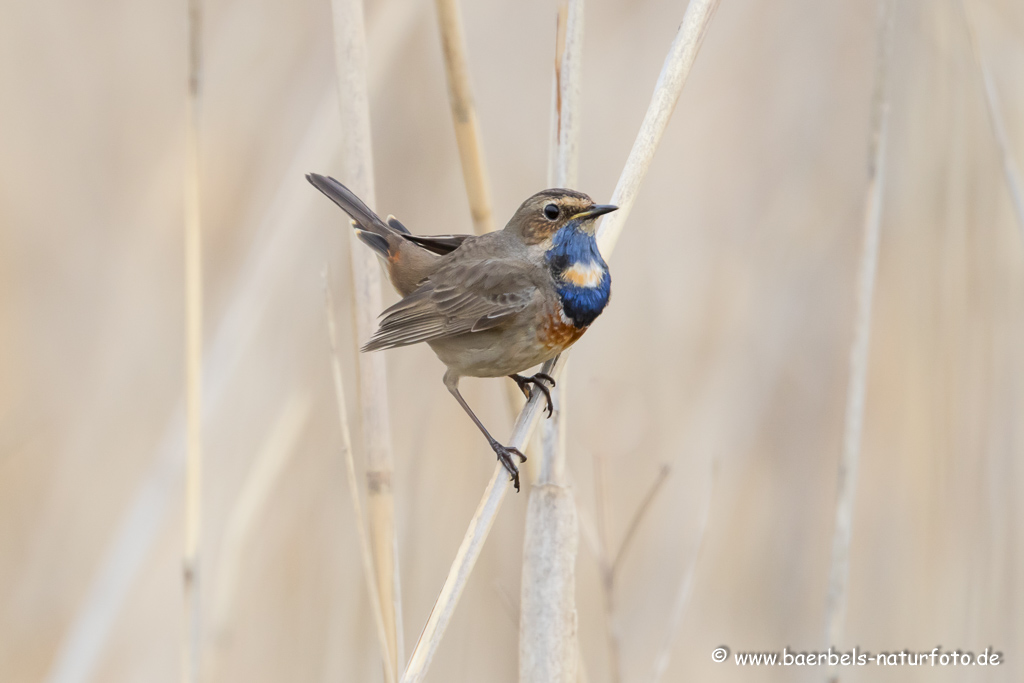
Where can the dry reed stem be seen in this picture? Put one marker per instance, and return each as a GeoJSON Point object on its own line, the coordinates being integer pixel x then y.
{"type": "Point", "coordinates": [566, 89]}
{"type": "Point", "coordinates": [251, 503]}
{"type": "Point", "coordinates": [608, 564]}
{"type": "Point", "coordinates": [548, 638]}
{"type": "Point", "coordinates": [275, 242]}
{"type": "Point", "coordinates": [638, 516]}
{"type": "Point", "coordinates": [470, 143]}
{"type": "Point", "coordinates": [191, 636]}
{"type": "Point", "coordinates": [138, 528]}
{"type": "Point", "coordinates": [467, 126]}
{"type": "Point", "coordinates": [357, 173]}
{"type": "Point", "coordinates": [553, 436]}
{"type": "Point", "coordinates": [350, 470]}
{"type": "Point", "coordinates": [1010, 171]}
{"type": "Point", "coordinates": [472, 542]}
{"type": "Point", "coordinates": [613, 631]}
{"type": "Point", "coordinates": [857, 387]}
{"type": "Point", "coordinates": [548, 648]}
{"type": "Point", "coordinates": [562, 172]}
{"type": "Point", "coordinates": [143, 518]}
{"type": "Point", "coordinates": [673, 75]}
{"type": "Point", "coordinates": [685, 589]}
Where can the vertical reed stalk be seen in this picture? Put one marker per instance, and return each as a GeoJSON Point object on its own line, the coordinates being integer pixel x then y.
{"type": "Point", "coordinates": [350, 470]}
{"type": "Point", "coordinates": [469, 140]}
{"type": "Point", "coordinates": [835, 610]}
{"type": "Point", "coordinates": [548, 642]}
{"type": "Point", "coordinates": [562, 172]}
{"type": "Point", "coordinates": [88, 634]}
{"type": "Point", "coordinates": [357, 173]}
{"type": "Point", "coordinates": [548, 637]}
{"type": "Point", "coordinates": [191, 640]}
{"type": "Point", "coordinates": [473, 541]}
{"type": "Point", "coordinates": [467, 126]}
{"type": "Point", "coordinates": [674, 72]}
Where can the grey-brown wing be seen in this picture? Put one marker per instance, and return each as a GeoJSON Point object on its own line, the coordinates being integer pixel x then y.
{"type": "Point", "coordinates": [463, 297]}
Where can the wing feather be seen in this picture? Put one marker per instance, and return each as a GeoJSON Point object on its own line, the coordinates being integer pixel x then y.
{"type": "Point", "coordinates": [466, 296]}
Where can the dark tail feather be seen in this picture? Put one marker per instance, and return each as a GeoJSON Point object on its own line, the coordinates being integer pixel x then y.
{"type": "Point", "coordinates": [382, 237]}
{"type": "Point", "coordinates": [376, 242]}
{"type": "Point", "coordinates": [364, 217]}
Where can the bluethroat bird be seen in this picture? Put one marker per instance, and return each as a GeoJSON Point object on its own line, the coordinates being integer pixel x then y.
{"type": "Point", "coordinates": [495, 304]}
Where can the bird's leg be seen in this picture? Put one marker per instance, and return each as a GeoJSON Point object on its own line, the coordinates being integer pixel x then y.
{"type": "Point", "coordinates": [538, 381]}
{"type": "Point", "coordinates": [504, 453]}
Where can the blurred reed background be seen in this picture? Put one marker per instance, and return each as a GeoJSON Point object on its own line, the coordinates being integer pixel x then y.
{"type": "Point", "coordinates": [727, 339]}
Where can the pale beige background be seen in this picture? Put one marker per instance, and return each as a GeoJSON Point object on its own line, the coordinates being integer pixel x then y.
{"type": "Point", "coordinates": [727, 336]}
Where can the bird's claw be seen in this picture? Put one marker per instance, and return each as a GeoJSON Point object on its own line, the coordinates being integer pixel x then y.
{"type": "Point", "coordinates": [505, 454]}
{"type": "Point", "coordinates": [538, 380]}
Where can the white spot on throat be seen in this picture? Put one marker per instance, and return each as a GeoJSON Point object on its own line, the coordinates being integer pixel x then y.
{"type": "Point", "coordinates": [588, 274]}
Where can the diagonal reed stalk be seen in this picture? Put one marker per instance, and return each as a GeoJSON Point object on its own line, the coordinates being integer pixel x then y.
{"type": "Point", "coordinates": [467, 126]}
{"type": "Point", "coordinates": [674, 71]}
{"type": "Point", "coordinates": [357, 172]}
{"type": "Point", "coordinates": [251, 504]}
{"type": "Point", "coordinates": [666, 93]}
{"type": "Point", "coordinates": [548, 640]}
{"type": "Point", "coordinates": [835, 608]}
{"type": "Point", "coordinates": [995, 118]}
{"type": "Point", "coordinates": [191, 637]}
{"type": "Point", "coordinates": [350, 470]}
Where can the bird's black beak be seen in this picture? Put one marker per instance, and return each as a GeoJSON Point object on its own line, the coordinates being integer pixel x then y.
{"type": "Point", "coordinates": [595, 211]}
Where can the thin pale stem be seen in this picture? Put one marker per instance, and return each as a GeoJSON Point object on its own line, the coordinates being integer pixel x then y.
{"type": "Point", "coordinates": [674, 73]}
{"type": "Point", "coordinates": [250, 505]}
{"type": "Point", "coordinates": [472, 543]}
{"type": "Point", "coordinates": [638, 516]}
{"type": "Point", "coordinates": [357, 172]}
{"type": "Point", "coordinates": [562, 172]}
{"type": "Point", "coordinates": [995, 117]}
{"type": "Point", "coordinates": [548, 644]}
{"type": "Point", "coordinates": [467, 126]}
{"type": "Point", "coordinates": [608, 565]}
{"type": "Point", "coordinates": [274, 226]}
{"type": "Point", "coordinates": [857, 385]}
{"type": "Point", "coordinates": [192, 639]}
{"type": "Point", "coordinates": [676, 68]}
{"type": "Point", "coordinates": [365, 551]}
{"type": "Point", "coordinates": [685, 590]}
{"type": "Point", "coordinates": [613, 631]}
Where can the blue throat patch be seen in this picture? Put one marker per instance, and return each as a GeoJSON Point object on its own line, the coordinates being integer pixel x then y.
{"type": "Point", "coordinates": [570, 246]}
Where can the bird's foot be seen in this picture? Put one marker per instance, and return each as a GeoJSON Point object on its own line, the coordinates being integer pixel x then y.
{"type": "Point", "coordinates": [540, 381]}
{"type": "Point", "coordinates": [505, 454]}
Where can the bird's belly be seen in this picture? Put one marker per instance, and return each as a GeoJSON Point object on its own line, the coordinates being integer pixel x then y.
{"type": "Point", "coordinates": [509, 350]}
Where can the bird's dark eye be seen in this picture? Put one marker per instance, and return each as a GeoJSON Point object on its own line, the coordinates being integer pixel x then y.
{"type": "Point", "coordinates": [551, 212]}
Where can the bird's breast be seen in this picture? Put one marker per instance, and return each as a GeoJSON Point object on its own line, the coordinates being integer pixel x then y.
{"type": "Point", "coordinates": [557, 331]}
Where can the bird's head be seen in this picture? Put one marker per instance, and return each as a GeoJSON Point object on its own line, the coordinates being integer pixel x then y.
{"type": "Point", "coordinates": [541, 216]}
